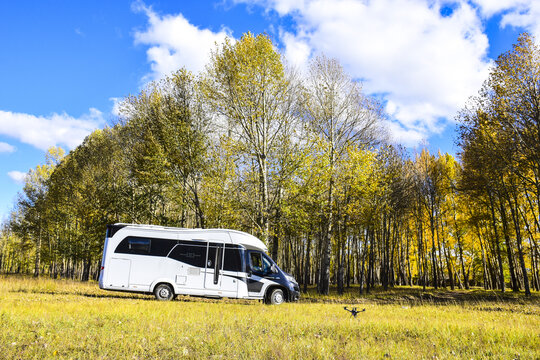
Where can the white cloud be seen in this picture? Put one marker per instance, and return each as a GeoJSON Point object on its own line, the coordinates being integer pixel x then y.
{"type": "Point", "coordinates": [117, 102]}
{"type": "Point", "coordinates": [517, 13]}
{"type": "Point", "coordinates": [53, 130]}
{"type": "Point", "coordinates": [488, 8]}
{"type": "Point", "coordinates": [406, 137]}
{"type": "Point", "coordinates": [527, 17]}
{"type": "Point", "coordinates": [5, 147]}
{"type": "Point", "coordinates": [175, 42]}
{"type": "Point", "coordinates": [17, 176]}
{"type": "Point", "coordinates": [297, 51]}
{"type": "Point", "coordinates": [405, 51]}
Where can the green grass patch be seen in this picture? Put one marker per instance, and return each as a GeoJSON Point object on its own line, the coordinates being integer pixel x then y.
{"type": "Point", "coordinates": [42, 318]}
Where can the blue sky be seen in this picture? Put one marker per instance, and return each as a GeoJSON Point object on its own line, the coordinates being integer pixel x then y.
{"type": "Point", "coordinates": [65, 64]}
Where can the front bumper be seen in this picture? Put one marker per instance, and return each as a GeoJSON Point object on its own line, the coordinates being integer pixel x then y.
{"type": "Point", "coordinates": [294, 293]}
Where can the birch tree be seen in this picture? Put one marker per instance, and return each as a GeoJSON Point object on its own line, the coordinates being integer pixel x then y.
{"type": "Point", "coordinates": [339, 113]}
{"type": "Point", "coordinates": [247, 86]}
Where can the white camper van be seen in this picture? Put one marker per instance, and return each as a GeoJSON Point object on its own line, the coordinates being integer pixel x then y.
{"type": "Point", "coordinates": [169, 261]}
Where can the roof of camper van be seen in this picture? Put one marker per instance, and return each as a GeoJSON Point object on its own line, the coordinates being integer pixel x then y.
{"type": "Point", "coordinates": [237, 237]}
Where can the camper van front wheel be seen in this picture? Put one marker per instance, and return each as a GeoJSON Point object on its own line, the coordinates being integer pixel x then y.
{"type": "Point", "coordinates": [163, 292]}
{"type": "Point", "coordinates": [276, 297]}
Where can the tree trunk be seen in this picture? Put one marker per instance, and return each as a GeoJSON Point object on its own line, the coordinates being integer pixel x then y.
{"type": "Point", "coordinates": [515, 217]}
{"type": "Point", "coordinates": [433, 254]}
{"type": "Point", "coordinates": [422, 258]}
{"type": "Point", "coordinates": [37, 263]}
{"type": "Point", "coordinates": [341, 269]}
{"type": "Point", "coordinates": [499, 257]}
{"type": "Point", "coordinates": [201, 220]}
{"type": "Point", "coordinates": [307, 263]}
{"type": "Point", "coordinates": [362, 267]}
{"type": "Point", "coordinates": [277, 222]}
{"type": "Point", "coordinates": [515, 286]}
{"type": "Point", "coordinates": [86, 269]}
{"type": "Point", "coordinates": [445, 251]}
{"type": "Point", "coordinates": [327, 244]}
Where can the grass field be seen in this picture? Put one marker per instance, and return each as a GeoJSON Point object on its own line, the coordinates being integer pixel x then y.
{"type": "Point", "coordinates": [42, 318]}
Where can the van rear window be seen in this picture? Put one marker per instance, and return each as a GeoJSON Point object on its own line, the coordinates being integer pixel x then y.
{"type": "Point", "coordinates": [139, 246]}
{"type": "Point", "coordinates": [134, 245]}
{"type": "Point", "coordinates": [145, 246]}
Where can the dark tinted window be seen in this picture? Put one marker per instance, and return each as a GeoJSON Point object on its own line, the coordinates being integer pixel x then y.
{"type": "Point", "coordinates": [260, 265]}
{"type": "Point", "coordinates": [213, 255]}
{"type": "Point", "coordinates": [161, 247]}
{"type": "Point", "coordinates": [193, 255]}
{"type": "Point", "coordinates": [134, 245]}
{"type": "Point", "coordinates": [139, 246]}
{"type": "Point", "coordinates": [145, 246]}
{"type": "Point", "coordinates": [233, 259]}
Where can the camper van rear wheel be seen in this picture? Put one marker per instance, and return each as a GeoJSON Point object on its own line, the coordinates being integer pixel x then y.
{"type": "Point", "coordinates": [276, 297]}
{"type": "Point", "coordinates": [163, 292]}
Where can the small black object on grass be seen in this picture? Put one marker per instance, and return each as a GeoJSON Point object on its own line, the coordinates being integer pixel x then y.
{"type": "Point", "coordinates": [354, 311]}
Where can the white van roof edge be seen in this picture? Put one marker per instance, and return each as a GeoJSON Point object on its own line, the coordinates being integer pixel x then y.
{"type": "Point", "coordinates": [173, 229]}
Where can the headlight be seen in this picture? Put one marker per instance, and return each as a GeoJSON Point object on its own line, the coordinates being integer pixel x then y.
{"type": "Point", "coordinates": [291, 279]}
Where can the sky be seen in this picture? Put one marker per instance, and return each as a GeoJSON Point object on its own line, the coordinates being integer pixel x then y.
{"type": "Point", "coordinates": [65, 65]}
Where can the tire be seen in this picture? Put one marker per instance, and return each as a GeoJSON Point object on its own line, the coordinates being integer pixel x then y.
{"type": "Point", "coordinates": [276, 297]}
{"type": "Point", "coordinates": [164, 292]}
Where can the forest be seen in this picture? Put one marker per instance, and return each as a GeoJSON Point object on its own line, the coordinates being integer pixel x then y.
{"type": "Point", "coordinates": [300, 159]}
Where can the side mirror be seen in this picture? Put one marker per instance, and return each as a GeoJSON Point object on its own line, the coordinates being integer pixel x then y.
{"type": "Point", "coordinates": [249, 273]}
{"type": "Point", "coordinates": [274, 269]}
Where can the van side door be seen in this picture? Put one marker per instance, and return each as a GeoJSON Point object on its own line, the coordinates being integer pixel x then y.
{"type": "Point", "coordinates": [222, 266]}
{"type": "Point", "coordinates": [233, 270]}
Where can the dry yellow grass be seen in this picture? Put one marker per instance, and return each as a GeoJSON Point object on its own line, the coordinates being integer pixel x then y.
{"type": "Point", "coordinates": [65, 319]}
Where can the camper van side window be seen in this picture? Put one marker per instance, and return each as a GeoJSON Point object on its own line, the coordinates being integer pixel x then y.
{"type": "Point", "coordinates": [134, 245]}
{"type": "Point", "coordinates": [233, 259]}
{"type": "Point", "coordinates": [193, 255]}
{"type": "Point", "coordinates": [139, 246]}
{"type": "Point", "coordinates": [161, 247]}
{"type": "Point", "coordinates": [212, 253]}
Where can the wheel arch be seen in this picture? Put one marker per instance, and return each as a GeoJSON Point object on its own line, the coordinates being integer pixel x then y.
{"type": "Point", "coordinates": [269, 289]}
{"type": "Point", "coordinates": [162, 281]}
